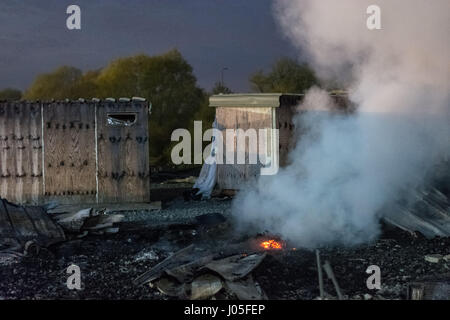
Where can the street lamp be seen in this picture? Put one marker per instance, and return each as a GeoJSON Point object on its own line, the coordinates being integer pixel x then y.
{"type": "Point", "coordinates": [223, 69]}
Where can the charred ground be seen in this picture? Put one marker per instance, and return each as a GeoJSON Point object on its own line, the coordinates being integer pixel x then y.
{"type": "Point", "coordinates": [110, 263]}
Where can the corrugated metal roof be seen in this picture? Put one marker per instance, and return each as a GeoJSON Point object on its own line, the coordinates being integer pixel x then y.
{"type": "Point", "coordinates": [248, 99]}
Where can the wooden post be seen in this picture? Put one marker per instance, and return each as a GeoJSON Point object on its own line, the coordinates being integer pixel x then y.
{"type": "Point", "coordinates": [319, 271]}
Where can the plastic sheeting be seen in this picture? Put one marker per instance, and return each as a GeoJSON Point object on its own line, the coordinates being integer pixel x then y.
{"type": "Point", "coordinates": [428, 208]}
{"type": "Point", "coordinates": [430, 214]}
{"type": "Point", "coordinates": [208, 175]}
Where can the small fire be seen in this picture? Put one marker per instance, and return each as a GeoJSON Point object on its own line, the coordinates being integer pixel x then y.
{"type": "Point", "coordinates": [271, 244]}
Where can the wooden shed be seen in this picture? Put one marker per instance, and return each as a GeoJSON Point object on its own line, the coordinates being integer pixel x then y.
{"type": "Point", "coordinates": [258, 111]}
{"type": "Point", "coordinates": [75, 151]}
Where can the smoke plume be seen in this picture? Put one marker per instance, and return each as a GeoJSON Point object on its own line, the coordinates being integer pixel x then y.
{"type": "Point", "coordinates": [346, 170]}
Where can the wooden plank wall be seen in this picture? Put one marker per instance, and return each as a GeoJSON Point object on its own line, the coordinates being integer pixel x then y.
{"type": "Point", "coordinates": [21, 152]}
{"type": "Point", "coordinates": [286, 127]}
{"type": "Point", "coordinates": [69, 156]}
{"type": "Point", "coordinates": [57, 140]}
{"type": "Point", "coordinates": [36, 153]}
{"type": "Point", "coordinates": [5, 153]}
{"type": "Point", "coordinates": [123, 154]}
{"type": "Point", "coordinates": [289, 134]}
{"type": "Point", "coordinates": [233, 176]}
{"type": "Point", "coordinates": [284, 123]}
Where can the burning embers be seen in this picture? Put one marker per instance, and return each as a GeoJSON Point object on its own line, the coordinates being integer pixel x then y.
{"type": "Point", "coordinates": [269, 242]}
{"type": "Point", "coordinates": [271, 245]}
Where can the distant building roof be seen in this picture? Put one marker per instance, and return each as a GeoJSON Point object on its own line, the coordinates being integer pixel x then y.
{"type": "Point", "coordinates": [250, 99]}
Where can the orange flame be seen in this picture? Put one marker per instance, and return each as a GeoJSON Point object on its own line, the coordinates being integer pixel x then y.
{"type": "Point", "coordinates": [271, 244]}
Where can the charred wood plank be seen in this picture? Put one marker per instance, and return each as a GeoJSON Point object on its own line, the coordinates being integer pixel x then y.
{"type": "Point", "coordinates": [429, 290]}
{"type": "Point", "coordinates": [180, 257]}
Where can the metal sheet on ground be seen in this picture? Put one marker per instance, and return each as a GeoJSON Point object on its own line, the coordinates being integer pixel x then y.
{"type": "Point", "coordinates": [237, 266]}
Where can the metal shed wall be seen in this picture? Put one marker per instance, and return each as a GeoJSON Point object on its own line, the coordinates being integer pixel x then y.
{"type": "Point", "coordinates": [258, 111]}
{"type": "Point", "coordinates": [231, 176]}
{"type": "Point", "coordinates": [266, 110]}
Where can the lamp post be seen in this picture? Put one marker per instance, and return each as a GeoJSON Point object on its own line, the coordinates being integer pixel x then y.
{"type": "Point", "coordinates": [223, 69]}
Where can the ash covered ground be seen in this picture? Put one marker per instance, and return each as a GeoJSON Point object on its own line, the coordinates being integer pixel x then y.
{"type": "Point", "coordinates": [109, 263]}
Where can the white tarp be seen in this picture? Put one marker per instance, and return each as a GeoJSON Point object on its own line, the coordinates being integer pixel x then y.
{"type": "Point", "coordinates": [208, 175]}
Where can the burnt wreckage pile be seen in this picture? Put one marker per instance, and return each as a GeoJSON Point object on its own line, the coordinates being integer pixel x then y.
{"type": "Point", "coordinates": [188, 274]}
{"type": "Point", "coordinates": [25, 230]}
{"type": "Point", "coordinates": [203, 258]}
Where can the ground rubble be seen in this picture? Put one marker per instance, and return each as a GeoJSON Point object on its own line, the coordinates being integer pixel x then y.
{"type": "Point", "coordinates": [113, 264]}
{"type": "Point", "coordinates": [187, 275]}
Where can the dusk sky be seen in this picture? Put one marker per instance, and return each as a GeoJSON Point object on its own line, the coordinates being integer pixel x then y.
{"type": "Point", "coordinates": [211, 34]}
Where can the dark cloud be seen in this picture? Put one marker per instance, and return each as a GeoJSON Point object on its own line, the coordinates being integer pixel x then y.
{"type": "Point", "coordinates": [241, 35]}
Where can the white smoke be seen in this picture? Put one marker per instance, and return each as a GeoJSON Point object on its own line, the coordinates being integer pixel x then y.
{"type": "Point", "coordinates": [345, 169]}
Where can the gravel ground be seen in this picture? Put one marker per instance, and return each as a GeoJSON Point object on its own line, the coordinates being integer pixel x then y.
{"type": "Point", "coordinates": [109, 263]}
{"type": "Point", "coordinates": [177, 210]}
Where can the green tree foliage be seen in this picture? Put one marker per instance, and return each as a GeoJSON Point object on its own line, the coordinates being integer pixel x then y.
{"type": "Point", "coordinates": [10, 94]}
{"type": "Point", "coordinates": [219, 87]}
{"type": "Point", "coordinates": [286, 76]}
{"type": "Point", "coordinates": [205, 113]}
{"type": "Point", "coordinates": [87, 86]}
{"type": "Point", "coordinates": [59, 84]}
{"type": "Point", "coordinates": [64, 83]}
